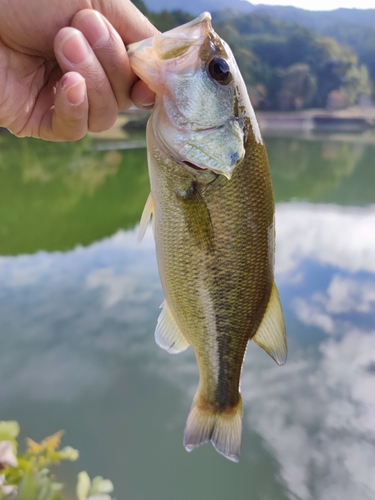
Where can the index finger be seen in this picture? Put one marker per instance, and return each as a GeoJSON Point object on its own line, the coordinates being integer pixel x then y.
{"type": "Point", "coordinates": [127, 20]}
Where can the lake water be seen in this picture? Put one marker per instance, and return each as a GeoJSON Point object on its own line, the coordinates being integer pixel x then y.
{"type": "Point", "coordinates": [79, 304]}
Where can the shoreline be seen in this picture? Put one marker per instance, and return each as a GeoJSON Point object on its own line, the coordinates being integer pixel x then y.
{"type": "Point", "coordinates": [355, 119]}
{"type": "Point", "coordinates": [353, 124]}
{"type": "Point", "coordinates": [343, 124]}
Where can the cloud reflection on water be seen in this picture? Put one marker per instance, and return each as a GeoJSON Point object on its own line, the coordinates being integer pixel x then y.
{"type": "Point", "coordinates": [72, 318]}
{"type": "Point", "coordinates": [62, 317]}
{"type": "Point", "coordinates": [318, 414]}
{"type": "Point", "coordinates": [343, 237]}
{"type": "Point", "coordinates": [317, 417]}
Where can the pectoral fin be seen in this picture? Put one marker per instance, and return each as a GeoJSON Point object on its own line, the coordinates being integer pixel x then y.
{"type": "Point", "coordinates": [167, 334]}
{"type": "Point", "coordinates": [197, 217]}
{"type": "Point", "coordinates": [271, 333]}
{"type": "Point", "coordinates": [146, 215]}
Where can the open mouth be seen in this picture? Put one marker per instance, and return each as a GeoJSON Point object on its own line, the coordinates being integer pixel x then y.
{"type": "Point", "coordinates": [195, 167]}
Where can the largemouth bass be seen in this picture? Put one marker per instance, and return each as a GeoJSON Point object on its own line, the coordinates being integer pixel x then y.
{"type": "Point", "coordinates": [212, 207]}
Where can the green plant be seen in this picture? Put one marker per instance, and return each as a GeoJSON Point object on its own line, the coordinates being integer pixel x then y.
{"type": "Point", "coordinates": [27, 475]}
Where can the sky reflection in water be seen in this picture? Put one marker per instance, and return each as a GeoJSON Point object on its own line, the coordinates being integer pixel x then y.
{"type": "Point", "coordinates": [78, 336]}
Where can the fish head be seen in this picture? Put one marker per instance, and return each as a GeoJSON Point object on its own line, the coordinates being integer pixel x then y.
{"type": "Point", "coordinates": [199, 118]}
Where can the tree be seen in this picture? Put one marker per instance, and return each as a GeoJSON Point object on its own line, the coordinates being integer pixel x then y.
{"type": "Point", "coordinates": [298, 87]}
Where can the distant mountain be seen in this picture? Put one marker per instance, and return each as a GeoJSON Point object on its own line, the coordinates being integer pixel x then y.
{"type": "Point", "coordinates": [317, 20]}
{"type": "Point", "coordinates": [196, 7]}
{"type": "Point", "coordinates": [354, 28]}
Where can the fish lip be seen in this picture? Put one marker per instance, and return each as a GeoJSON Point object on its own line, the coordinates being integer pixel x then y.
{"type": "Point", "coordinates": [205, 16]}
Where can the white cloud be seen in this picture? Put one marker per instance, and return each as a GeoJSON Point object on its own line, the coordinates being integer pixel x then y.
{"type": "Point", "coordinates": [26, 271]}
{"type": "Point", "coordinates": [312, 314]}
{"type": "Point", "coordinates": [117, 287]}
{"type": "Point", "coordinates": [324, 309]}
{"type": "Point", "coordinates": [64, 315]}
{"type": "Point", "coordinates": [61, 373]}
{"type": "Point", "coordinates": [343, 237]}
{"type": "Point", "coordinates": [316, 416]}
{"type": "Point", "coordinates": [348, 294]}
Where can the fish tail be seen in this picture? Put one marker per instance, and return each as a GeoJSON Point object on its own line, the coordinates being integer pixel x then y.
{"type": "Point", "coordinates": [222, 428]}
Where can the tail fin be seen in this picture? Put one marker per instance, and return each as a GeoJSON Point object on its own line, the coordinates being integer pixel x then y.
{"type": "Point", "coordinates": [222, 429]}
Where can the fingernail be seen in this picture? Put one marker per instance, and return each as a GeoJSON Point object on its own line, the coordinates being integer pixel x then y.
{"type": "Point", "coordinates": [76, 93]}
{"type": "Point", "coordinates": [94, 28]}
{"type": "Point", "coordinates": [147, 102]}
{"type": "Point", "coordinates": [75, 48]}
{"type": "Point", "coordinates": [147, 106]}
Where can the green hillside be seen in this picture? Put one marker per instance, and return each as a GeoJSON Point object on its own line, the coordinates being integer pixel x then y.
{"type": "Point", "coordinates": [285, 65]}
{"type": "Point", "coordinates": [354, 28]}
{"type": "Point", "coordinates": [291, 65]}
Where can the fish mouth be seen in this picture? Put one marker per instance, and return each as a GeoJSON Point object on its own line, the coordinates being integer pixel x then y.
{"type": "Point", "coordinates": [195, 167]}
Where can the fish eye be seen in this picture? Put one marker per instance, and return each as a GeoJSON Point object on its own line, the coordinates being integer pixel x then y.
{"type": "Point", "coordinates": [219, 70]}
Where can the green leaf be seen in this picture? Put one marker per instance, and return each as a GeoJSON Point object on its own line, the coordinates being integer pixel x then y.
{"type": "Point", "coordinates": [28, 489]}
{"type": "Point", "coordinates": [47, 492]}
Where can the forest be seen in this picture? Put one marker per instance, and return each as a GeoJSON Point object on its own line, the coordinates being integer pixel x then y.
{"type": "Point", "coordinates": [288, 66]}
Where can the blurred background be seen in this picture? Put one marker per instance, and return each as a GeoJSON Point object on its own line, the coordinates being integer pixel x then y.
{"type": "Point", "coordinates": [79, 302]}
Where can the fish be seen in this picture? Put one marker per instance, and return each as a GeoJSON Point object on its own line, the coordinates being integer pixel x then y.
{"type": "Point", "coordinates": [212, 210]}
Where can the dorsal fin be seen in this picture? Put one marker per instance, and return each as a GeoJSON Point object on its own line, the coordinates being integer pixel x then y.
{"type": "Point", "coordinates": [271, 332]}
{"type": "Point", "coordinates": [167, 334]}
{"type": "Point", "coordinates": [146, 215]}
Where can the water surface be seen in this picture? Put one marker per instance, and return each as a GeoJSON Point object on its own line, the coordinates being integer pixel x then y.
{"type": "Point", "coordinates": [79, 303]}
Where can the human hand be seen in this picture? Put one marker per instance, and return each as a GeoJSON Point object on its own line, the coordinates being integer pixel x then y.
{"type": "Point", "coordinates": [64, 69]}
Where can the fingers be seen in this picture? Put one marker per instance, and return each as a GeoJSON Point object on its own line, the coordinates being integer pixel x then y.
{"type": "Point", "coordinates": [94, 49]}
{"type": "Point", "coordinates": [98, 80]}
{"type": "Point", "coordinates": [68, 119]}
{"type": "Point", "coordinates": [74, 53]}
{"type": "Point", "coordinates": [110, 51]}
{"type": "Point", "coordinates": [60, 111]}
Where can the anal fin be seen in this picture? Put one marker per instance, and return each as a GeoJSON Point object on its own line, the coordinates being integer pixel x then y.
{"type": "Point", "coordinates": [271, 332]}
{"type": "Point", "coordinates": [168, 336]}
{"type": "Point", "coordinates": [146, 215]}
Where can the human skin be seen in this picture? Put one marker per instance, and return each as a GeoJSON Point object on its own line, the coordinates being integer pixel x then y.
{"type": "Point", "coordinates": [64, 69]}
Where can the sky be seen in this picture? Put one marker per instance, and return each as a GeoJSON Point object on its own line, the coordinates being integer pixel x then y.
{"type": "Point", "coordinates": [320, 4]}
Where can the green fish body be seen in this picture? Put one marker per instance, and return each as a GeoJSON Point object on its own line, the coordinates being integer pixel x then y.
{"type": "Point", "coordinates": [213, 219]}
